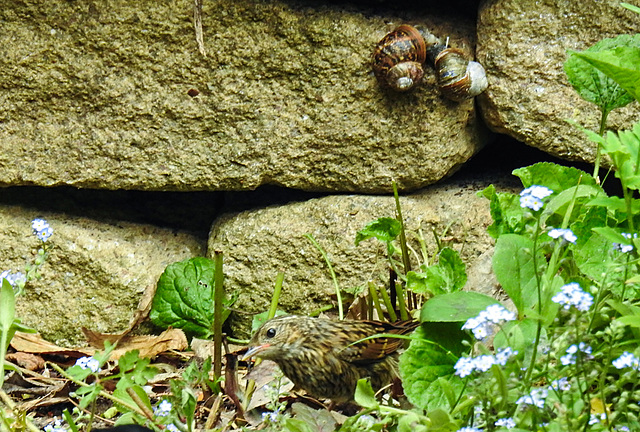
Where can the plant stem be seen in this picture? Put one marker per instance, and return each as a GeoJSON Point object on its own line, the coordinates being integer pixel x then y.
{"type": "Point", "coordinates": [373, 292]}
{"type": "Point", "coordinates": [603, 125]}
{"type": "Point", "coordinates": [277, 289]}
{"type": "Point", "coordinates": [387, 303]}
{"type": "Point", "coordinates": [218, 295]}
{"type": "Point", "coordinates": [333, 274]}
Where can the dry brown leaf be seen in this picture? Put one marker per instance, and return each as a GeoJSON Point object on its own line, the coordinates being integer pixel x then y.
{"type": "Point", "coordinates": [151, 346]}
{"type": "Point", "coordinates": [28, 361]}
{"type": "Point", "coordinates": [34, 343]}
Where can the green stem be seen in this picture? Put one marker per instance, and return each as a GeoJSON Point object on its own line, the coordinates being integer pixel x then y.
{"type": "Point", "coordinates": [603, 125]}
{"type": "Point", "coordinates": [387, 302]}
{"type": "Point", "coordinates": [333, 274]}
{"type": "Point", "coordinates": [403, 238]}
{"type": "Point", "coordinates": [402, 304]}
{"type": "Point", "coordinates": [277, 289]}
{"type": "Point", "coordinates": [102, 393]}
{"type": "Point", "coordinates": [373, 292]}
{"type": "Point", "coordinates": [218, 295]}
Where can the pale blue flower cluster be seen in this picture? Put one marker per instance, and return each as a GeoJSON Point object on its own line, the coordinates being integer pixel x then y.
{"type": "Point", "coordinates": [88, 363]}
{"type": "Point", "coordinates": [532, 197]}
{"type": "Point", "coordinates": [572, 295]}
{"type": "Point", "coordinates": [536, 398]}
{"type": "Point", "coordinates": [56, 426]}
{"type": "Point", "coordinates": [508, 423]}
{"type": "Point", "coordinates": [163, 409]}
{"type": "Point", "coordinates": [41, 229]}
{"type": "Point", "coordinates": [561, 384]}
{"type": "Point", "coordinates": [572, 351]}
{"type": "Point", "coordinates": [469, 429]}
{"type": "Point", "coordinates": [626, 360]}
{"type": "Point", "coordinates": [172, 428]}
{"type": "Point", "coordinates": [565, 233]}
{"type": "Point", "coordinates": [15, 279]}
{"type": "Point", "coordinates": [597, 418]}
{"type": "Point", "coordinates": [467, 365]}
{"type": "Point", "coordinates": [625, 248]}
{"type": "Point", "coordinates": [485, 323]}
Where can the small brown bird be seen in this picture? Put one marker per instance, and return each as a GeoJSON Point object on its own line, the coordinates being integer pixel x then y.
{"type": "Point", "coordinates": [326, 358]}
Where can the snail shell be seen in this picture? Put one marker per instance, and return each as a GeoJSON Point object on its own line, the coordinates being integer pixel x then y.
{"type": "Point", "coordinates": [459, 78]}
{"type": "Point", "coordinates": [399, 57]}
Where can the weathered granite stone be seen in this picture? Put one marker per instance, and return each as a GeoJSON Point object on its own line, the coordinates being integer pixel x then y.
{"type": "Point", "coordinates": [260, 243]}
{"type": "Point", "coordinates": [102, 94]}
{"type": "Point", "coordinates": [523, 45]}
{"type": "Point", "coordinates": [95, 274]}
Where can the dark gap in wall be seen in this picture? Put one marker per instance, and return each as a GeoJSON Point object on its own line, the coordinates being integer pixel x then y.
{"type": "Point", "coordinates": [188, 211]}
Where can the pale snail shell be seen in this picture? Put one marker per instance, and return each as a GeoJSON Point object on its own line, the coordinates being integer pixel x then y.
{"type": "Point", "coordinates": [399, 57]}
{"type": "Point", "coordinates": [459, 78]}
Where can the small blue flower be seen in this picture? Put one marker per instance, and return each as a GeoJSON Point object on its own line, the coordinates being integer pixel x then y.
{"type": "Point", "coordinates": [508, 423]}
{"type": "Point", "coordinates": [626, 360]}
{"type": "Point", "coordinates": [532, 197]}
{"type": "Point", "coordinates": [572, 351]}
{"type": "Point", "coordinates": [625, 248]}
{"type": "Point", "coordinates": [163, 409]}
{"type": "Point", "coordinates": [41, 229]}
{"type": "Point", "coordinates": [561, 384]}
{"type": "Point", "coordinates": [464, 366]}
{"type": "Point", "coordinates": [565, 233]}
{"type": "Point", "coordinates": [597, 418]}
{"type": "Point", "coordinates": [535, 398]}
{"type": "Point", "coordinates": [56, 426]}
{"type": "Point", "coordinates": [572, 295]}
{"type": "Point", "coordinates": [469, 429]}
{"type": "Point", "coordinates": [88, 363]}
{"type": "Point", "coordinates": [16, 280]}
{"type": "Point", "coordinates": [487, 321]}
{"type": "Point", "coordinates": [172, 428]}
{"type": "Point", "coordinates": [504, 354]}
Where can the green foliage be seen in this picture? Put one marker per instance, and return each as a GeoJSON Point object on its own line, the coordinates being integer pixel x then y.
{"type": "Point", "coordinates": [455, 307]}
{"type": "Point", "coordinates": [184, 298]}
{"type": "Point", "coordinates": [448, 275]}
{"type": "Point", "coordinates": [384, 229]}
{"type": "Point", "coordinates": [593, 72]}
{"type": "Point", "coordinates": [434, 349]}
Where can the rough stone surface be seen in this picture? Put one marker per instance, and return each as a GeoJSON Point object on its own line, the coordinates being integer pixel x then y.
{"type": "Point", "coordinates": [96, 272]}
{"type": "Point", "coordinates": [95, 94]}
{"type": "Point", "coordinates": [522, 44]}
{"type": "Point", "coordinates": [260, 243]}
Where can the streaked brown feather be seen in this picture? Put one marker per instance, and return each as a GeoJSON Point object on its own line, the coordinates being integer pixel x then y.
{"type": "Point", "coordinates": [326, 357]}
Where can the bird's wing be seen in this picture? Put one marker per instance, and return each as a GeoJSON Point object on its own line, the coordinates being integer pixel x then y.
{"type": "Point", "coordinates": [377, 348]}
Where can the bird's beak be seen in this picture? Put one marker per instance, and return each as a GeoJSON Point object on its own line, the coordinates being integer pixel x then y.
{"type": "Point", "coordinates": [254, 350]}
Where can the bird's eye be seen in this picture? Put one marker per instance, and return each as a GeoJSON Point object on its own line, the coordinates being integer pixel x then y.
{"type": "Point", "coordinates": [271, 332]}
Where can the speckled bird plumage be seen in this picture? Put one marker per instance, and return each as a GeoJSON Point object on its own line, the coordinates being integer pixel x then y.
{"type": "Point", "coordinates": [316, 353]}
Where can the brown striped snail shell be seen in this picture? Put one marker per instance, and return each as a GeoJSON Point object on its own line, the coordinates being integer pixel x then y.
{"type": "Point", "coordinates": [399, 57]}
{"type": "Point", "coordinates": [459, 78]}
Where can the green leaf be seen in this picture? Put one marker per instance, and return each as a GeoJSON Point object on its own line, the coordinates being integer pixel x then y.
{"type": "Point", "coordinates": [505, 211]}
{"type": "Point", "coordinates": [555, 177]}
{"type": "Point", "coordinates": [624, 150]}
{"type": "Point", "coordinates": [455, 307]}
{"type": "Point", "coordinates": [432, 353]}
{"type": "Point", "coordinates": [631, 7]}
{"type": "Point", "coordinates": [364, 395]}
{"type": "Point", "coordinates": [384, 229]}
{"type": "Point", "coordinates": [448, 275]}
{"type": "Point", "coordinates": [589, 72]}
{"type": "Point", "coordinates": [621, 65]}
{"type": "Point", "coordinates": [319, 420]}
{"type": "Point", "coordinates": [7, 314]}
{"type": "Point", "coordinates": [184, 298]}
{"type": "Point", "coordinates": [513, 265]}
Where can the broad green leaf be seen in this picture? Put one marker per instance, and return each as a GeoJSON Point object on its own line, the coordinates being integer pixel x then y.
{"type": "Point", "coordinates": [384, 229]}
{"type": "Point", "coordinates": [586, 72]}
{"type": "Point", "coordinates": [455, 307]}
{"type": "Point", "coordinates": [432, 353]}
{"type": "Point", "coordinates": [620, 65]}
{"type": "Point", "coordinates": [632, 321]}
{"type": "Point", "coordinates": [513, 265]}
{"type": "Point", "coordinates": [555, 177]}
{"type": "Point", "coordinates": [184, 298]}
